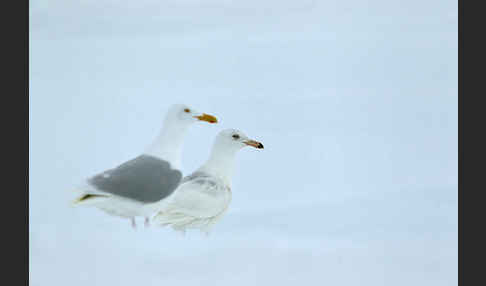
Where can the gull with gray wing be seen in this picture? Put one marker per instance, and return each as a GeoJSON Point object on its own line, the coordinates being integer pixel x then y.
{"type": "Point", "coordinates": [133, 188]}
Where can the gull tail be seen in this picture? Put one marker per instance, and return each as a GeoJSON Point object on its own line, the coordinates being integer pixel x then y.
{"type": "Point", "coordinates": [88, 199]}
{"type": "Point", "coordinates": [85, 194]}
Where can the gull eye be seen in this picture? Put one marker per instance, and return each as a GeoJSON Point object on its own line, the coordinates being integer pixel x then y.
{"type": "Point", "coordinates": [236, 136]}
{"type": "Point", "coordinates": [187, 110]}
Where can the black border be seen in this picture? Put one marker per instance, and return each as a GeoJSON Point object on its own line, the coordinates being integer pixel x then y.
{"type": "Point", "coordinates": [471, 65]}
{"type": "Point", "coordinates": [14, 23]}
{"type": "Point", "coordinates": [26, 96]}
{"type": "Point", "coordinates": [459, 143]}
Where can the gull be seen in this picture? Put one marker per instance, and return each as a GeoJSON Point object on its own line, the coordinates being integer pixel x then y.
{"type": "Point", "coordinates": [203, 197]}
{"type": "Point", "coordinates": [132, 188]}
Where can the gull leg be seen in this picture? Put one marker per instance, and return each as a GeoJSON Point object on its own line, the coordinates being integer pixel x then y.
{"type": "Point", "coordinates": [180, 230]}
{"type": "Point", "coordinates": [205, 231]}
{"type": "Point", "coordinates": [134, 224]}
{"type": "Point", "coordinates": [147, 222]}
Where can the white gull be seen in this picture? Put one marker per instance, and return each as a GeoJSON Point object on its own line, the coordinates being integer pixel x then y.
{"type": "Point", "coordinates": [203, 197]}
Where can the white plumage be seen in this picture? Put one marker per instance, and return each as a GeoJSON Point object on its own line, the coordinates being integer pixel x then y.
{"type": "Point", "coordinates": [203, 197]}
{"type": "Point", "coordinates": [140, 186]}
{"type": "Point", "coordinates": [198, 203]}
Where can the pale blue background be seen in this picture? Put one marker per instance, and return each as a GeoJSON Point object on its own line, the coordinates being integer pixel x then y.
{"type": "Point", "coordinates": [355, 102]}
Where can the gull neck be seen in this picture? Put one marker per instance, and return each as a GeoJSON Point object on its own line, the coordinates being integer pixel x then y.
{"type": "Point", "coordinates": [169, 142]}
{"type": "Point", "coordinates": [220, 163]}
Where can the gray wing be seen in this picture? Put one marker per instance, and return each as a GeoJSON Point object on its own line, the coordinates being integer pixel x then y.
{"type": "Point", "coordinates": [145, 179]}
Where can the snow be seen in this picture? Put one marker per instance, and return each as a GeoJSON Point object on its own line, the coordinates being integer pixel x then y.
{"type": "Point", "coordinates": [362, 93]}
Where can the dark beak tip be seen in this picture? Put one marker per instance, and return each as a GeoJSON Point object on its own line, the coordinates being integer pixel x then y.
{"type": "Point", "coordinates": [260, 146]}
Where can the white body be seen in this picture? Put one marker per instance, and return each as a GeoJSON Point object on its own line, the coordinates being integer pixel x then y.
{"type": "Point", "coordinates": [204, 197]}
{"type": "Point", "coordinates": [167, 146]}
{"type": "Point", "coordinates": [196, 204]}
{"type": "Point", "coordinates": [118, 206]}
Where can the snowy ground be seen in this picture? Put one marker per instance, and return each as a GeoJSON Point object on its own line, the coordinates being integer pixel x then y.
{"type": "Point", "coordinates": [356, 104]}
{"type": "Point", "coordinates": [400, 239]}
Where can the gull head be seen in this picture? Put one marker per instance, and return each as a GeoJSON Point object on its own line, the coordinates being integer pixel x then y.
{"type": "Point", "coordinates": [186, 115]}
{"type": "Point", "coordinates": [232, 139]}
{"type": "Point", "coordinates": [221, 161]}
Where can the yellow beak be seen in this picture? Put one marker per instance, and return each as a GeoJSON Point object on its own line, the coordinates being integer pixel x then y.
{"type": "Point", "coordinates": [207, 117]}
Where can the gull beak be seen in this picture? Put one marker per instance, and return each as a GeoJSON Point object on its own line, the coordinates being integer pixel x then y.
{"type": "Point", "coordinates": [206, 117]}
{"type": "Point", "coordinates": [254, 143]}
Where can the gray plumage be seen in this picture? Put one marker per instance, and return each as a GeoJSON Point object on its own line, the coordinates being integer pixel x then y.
{"type": "Point", "coordinates": [145, 179]}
